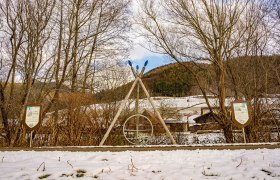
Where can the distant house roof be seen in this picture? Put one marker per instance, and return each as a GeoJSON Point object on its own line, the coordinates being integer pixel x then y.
{"type": "Point", "coordinates": [192, 117]}
{"type": "Point", "coordinates": [205, 118]}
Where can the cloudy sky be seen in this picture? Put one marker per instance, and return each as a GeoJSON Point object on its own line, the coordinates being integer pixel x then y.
{"type": "Point", "coordinates": [138, 55]}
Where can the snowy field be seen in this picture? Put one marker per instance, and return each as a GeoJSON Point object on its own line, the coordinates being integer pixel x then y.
{"type": "Point", "coordinates": [173, 165]}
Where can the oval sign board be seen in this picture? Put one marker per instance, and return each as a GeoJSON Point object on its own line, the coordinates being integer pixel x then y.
{"type": "Point", "coordinates": [241, 113]}
{"type": "Point", "coordinates": [32, 116]}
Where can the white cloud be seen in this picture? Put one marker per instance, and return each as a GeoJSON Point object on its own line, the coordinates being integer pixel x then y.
{"type": "Point", "coordinates": [138, 53]}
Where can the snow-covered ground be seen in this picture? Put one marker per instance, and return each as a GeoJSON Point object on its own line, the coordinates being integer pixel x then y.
{"type": "Point", "coordinates": [173, 165]}
{"type": "Point", "coordinates": [189, 102]}
{"type": "Point", "coordinates": [181, 164]}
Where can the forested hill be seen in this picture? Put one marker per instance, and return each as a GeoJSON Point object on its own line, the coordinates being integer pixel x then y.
{"type": "Point", "coordinates": [248, 75]}
{"type": "Point", "coordinates": [168, 80]}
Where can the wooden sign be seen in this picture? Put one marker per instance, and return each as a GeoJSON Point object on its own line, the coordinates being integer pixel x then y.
{"type": "Point", "coordinates": [241, 113]}
{"type": "Point", "coordinates": [32, 116]}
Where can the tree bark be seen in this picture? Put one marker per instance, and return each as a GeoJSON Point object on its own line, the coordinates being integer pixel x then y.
{"type": "Point", "coordinates": [4, 115]}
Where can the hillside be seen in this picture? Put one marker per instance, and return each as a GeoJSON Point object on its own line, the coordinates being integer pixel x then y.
{"type": "Point", "coordinates": [169, 80]}
{"type": "Point", "coordinates": [247, 75]}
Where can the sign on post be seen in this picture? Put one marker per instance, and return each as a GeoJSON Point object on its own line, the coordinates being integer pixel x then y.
{"type": "Point", "coordinates": [241, 114]}
{"type": "Point", "coordinates": [32, 116]}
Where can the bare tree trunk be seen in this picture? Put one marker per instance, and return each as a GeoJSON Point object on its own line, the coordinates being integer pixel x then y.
{"type": "Point", "coordinates": [227, 128]}
{"type": "Point", "coordinates": [4, 115]}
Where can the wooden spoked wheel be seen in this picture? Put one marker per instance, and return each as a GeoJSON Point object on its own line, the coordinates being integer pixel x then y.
{"type": "Point", "coordinates": [137, 129]}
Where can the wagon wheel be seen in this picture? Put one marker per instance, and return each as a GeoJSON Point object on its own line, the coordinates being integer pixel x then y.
{"type": "Point", "coordinates": [137, 129]}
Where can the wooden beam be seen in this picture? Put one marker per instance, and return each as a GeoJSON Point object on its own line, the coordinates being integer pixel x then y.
{"type": "Point", "coordinates": [118, 113]}
{"type": "Point", "coordinates": [157, 113]}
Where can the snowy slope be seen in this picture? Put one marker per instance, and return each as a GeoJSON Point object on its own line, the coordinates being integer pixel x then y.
{"type": "Point", "coordinates": [180, 102]}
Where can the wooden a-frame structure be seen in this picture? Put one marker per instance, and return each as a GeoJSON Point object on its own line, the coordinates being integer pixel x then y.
{"type": "Point", "coordinates": [137, 80]}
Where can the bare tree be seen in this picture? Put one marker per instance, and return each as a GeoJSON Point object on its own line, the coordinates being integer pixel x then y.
{"type": "Point", "coordinates": [85, 31]}
{"type": "Point", "coordinates": [51, 46]}
{"type": "Point", "coordinates": [24, 36]}
{"type": "Point", "coordinates": [210, 31]}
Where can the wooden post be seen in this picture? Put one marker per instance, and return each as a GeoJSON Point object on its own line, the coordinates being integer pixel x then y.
{"type": "Point", "coordinates": [244, 136]}
{"type": "Point", "coordinates": [137, 109]}
{"type": "Point", "coordinates": [31, 139]}
{"type": "Point", "coordinates": [118, 113]}
{"type": "Point", "coordinates": [158, 114]}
